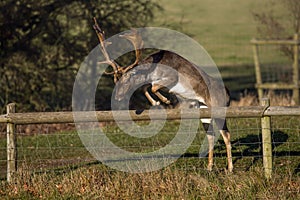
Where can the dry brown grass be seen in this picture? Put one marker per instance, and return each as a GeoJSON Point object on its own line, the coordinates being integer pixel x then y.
{"type": "Point", "coordinates": [282, 99]}
{"type": "Point", "coordinates": [96, 182]}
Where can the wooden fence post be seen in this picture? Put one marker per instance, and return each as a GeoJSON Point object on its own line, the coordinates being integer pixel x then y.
{"type": "Point", "coordinates": [296, 70]}
{"type": "Point", "coordinates": [257, 72]}
{"type": "Point", "coordinates": [11, 145]}
{"type": "Point", "coordinates": [266, 140]}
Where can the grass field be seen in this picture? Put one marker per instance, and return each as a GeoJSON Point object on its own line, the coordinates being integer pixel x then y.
{"type": "Point", "coordinates": [57, 166]}
{"type": "Point", "coordinates": [224, 29]}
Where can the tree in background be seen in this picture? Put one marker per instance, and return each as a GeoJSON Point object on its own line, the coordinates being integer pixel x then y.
{"type": "Point", "coordinates": [44, 42]}
{"type": "Point", "coordinates": [271, 25]}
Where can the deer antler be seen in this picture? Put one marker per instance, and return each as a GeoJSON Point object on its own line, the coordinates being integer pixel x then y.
{"type": "Point", "coordinates": [135, 38]}
{"type": "Point", "coordinates": [103, 44]}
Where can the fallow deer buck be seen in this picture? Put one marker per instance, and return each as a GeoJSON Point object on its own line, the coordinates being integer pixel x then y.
{"type": "Point", "coordinates": [166, 69]}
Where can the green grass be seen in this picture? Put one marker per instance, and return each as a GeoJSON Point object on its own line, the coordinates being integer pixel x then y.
{"type": "Point", "coordinates": [223, 28]}
{"type": "Point", "coordinates": [58, 166]}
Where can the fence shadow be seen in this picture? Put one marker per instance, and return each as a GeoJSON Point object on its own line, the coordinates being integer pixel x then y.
{"type": "Point", "coordinates": [251, 145]}
{"type": "Point", "coordinates": [297, 170]}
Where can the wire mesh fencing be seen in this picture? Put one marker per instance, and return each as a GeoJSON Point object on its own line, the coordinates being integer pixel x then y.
{"type": "Point", "coordinates": [58, 147]}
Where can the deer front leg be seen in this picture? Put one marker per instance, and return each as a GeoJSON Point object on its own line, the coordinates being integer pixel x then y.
{"type": "Point", "coordinates": [162, 97]}
{"type": "Point", "coordinates": [149, 97]}
{"type": "Point", "coordinates": [155, 89]}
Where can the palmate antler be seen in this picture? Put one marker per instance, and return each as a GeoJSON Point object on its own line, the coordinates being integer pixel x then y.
{"type": "Point", "coordinates": [133, 37]}
{"type": "Point", "coordinates": [103, 44]}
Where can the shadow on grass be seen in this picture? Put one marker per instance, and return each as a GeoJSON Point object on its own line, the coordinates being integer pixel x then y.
{"type": "Point", "coordinates": [248, 146]}
{"type": "Point", "coordinates": [251, 146]}
{"type": "Point", "coordinates": [297, 170]}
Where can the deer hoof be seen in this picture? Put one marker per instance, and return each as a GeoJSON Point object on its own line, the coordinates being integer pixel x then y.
{"type": "Point", "coordinates": [168, 102]}
{"type": "Point", "coordinates": [230, 169]}
{"type": "Point", "coordinates": [209, 168]}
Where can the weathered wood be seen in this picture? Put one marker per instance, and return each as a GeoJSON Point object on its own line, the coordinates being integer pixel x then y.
{"type": "Point", "coordinates": [266, 141]}
{"type": "Point", "coordinates": [296, 71]}
{"type": "Point", "coordinates": [275, 86]}
{"type": "Point", "coordinates": [172, 114]}
{"type": "Point", "coordinates": [257, 71]}
{"type": "Point", "coordinates": [105, 116]}
{"type": "Point", "coordinates": [245, 112]}
{"type": "Point", "coordinates": [282, 111]}
{"type": "Point", "coordinates": [4, 119]}
{"type": "Point", "coordinates": [274, 42]}
{"type": "Point", "coordinates": [11, 145]}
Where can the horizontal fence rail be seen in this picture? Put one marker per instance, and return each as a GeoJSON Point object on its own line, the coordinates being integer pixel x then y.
{"type": "Point", "coordinates": [264, 112]}
{"type": "Point", "coordinates": [172, 114]}
{"type": "Point", "coordinates": [275, 42]}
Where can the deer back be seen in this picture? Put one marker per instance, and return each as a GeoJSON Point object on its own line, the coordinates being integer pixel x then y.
{"type": "Point", "coordinates": [180, 76]}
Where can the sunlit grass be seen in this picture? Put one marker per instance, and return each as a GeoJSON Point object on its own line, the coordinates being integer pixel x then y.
{"type": "Point", "coordinates": [223, 28]}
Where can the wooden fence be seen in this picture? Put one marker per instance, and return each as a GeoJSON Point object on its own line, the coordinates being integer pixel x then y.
{"type": "Point", "coordinates": [260, 85]}
{"type": "Point", "coordinates": [264, 112]}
